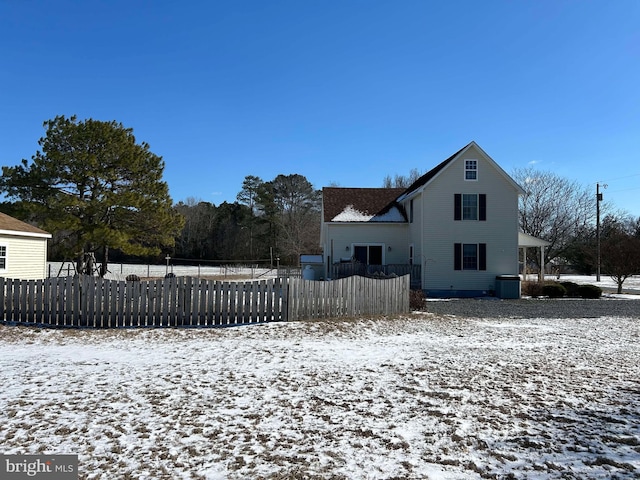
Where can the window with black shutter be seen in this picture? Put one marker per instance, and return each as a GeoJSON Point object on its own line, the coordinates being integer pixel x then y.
{"type": "Point", "coordinates": [469, 256]}
{"type": "Point", "coordinates": [470, 206]}
{"type": "Point", "coordinates": [482, 256]}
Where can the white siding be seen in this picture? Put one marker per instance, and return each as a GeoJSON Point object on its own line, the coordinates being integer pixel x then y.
{"type": "Point", "coordinates": [415, 229]}
{"type": "Point", "coordinates": [441, 232]}
{"type": "Point", "coordinates": [26, 257]}
{"type": "Point", "coordinates": [345, 235]}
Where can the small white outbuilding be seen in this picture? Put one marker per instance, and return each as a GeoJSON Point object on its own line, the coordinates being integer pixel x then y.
{"type": "Point", "coordinates": [23, 249]}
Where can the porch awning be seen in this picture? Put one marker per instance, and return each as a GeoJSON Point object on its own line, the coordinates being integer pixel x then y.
{"type": "Point", "coordinates": [526, 241]}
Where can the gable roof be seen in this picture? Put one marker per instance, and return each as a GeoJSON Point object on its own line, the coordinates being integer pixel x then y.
{"type": "Point", "coordinates": [13, 226]}
{"type": "Point", "coordinates": [424, 179]}
{"type": "Point", "coordinates": [362, 205]}
{"type": "Point", "coordinates": [427, 177]}
{"type": "Point", "coordinates": [383, 204]}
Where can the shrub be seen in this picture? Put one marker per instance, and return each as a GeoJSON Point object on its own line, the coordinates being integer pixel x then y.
{"type": "Point", "coordinates": [589, 291]}
{"type": "Point", "coordinates": [132, 277]}
{"type": "Point", "coordinates": [416, 300]}
{"type": "Point", "coordinates": [572, 288]}
{"type": "Point", "coordinates": [554, 290]}
{"type": "Point", "coordinates": [532, 289]}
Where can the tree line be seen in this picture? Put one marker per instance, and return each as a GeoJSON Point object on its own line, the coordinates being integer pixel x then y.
{"type": "Point", "coordinates": [274, 221]}
{"type": "Point", "coordinates": [102, 196]}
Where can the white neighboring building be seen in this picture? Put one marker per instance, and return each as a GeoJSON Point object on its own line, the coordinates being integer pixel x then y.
{"type": "Point", "coordinates": [23, 250]}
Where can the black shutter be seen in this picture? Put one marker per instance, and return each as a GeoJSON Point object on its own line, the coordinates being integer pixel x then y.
{"type": "Point", "coordinates": [457, 206]}
{"type": "Point", "coordinates": [482, 203]}
{"type": "Point", "coordinates": [457, 256]}
{"type": "Point", "coordinates": [482, 256]}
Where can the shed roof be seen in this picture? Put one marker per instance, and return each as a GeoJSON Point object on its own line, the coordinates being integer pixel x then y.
{"type": "Point", "coordinates": [13, 226]}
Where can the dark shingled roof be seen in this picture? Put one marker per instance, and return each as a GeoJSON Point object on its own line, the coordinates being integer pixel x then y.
{"type": "Point", "coordinates": [432, 173]}
{"type": "Point", "coordinates": [15, 225]}
{"type": "Point", "coordinates": [370, 201]}
{"type": "Point", "coordinates": [375, 201]}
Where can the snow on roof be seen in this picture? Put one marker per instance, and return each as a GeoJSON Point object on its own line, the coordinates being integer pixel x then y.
{"type": "Point", "coordinates": [350, 214]}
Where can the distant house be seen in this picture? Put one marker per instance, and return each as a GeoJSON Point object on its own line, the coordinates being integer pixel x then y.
{"type": "Point", "coordinates": [457, 224]}
{"type": "Point", "coordinates": [23, 249]}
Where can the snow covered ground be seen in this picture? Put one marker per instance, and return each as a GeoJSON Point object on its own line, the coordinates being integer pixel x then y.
{"type": "Point", "coordinates": [631, 284]}
{"type": "Point", "coordinates": [119, 271]}
{"type": "Point", "coordinates": [421, 397]}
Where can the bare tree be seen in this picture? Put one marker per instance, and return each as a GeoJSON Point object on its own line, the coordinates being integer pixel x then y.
{"type": "Point", "coordinates": [620, 248]}
{"type": "Point", "coordinates": [401, 181]}
{"type": "Point", "coordinates": [553, 208]}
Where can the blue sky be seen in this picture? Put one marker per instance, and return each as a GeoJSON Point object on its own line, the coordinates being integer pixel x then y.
{"type": "Point", "coordinates": [342, 92]}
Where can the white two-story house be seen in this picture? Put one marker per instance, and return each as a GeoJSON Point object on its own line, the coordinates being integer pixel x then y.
{"type": "Point", "coordinates": [456, 227]}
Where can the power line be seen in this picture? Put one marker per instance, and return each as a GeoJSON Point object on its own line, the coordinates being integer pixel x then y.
{"type": "Point", "coordinates": [624, 190]}
{"type": "Point", "coordinates": [618, 178]}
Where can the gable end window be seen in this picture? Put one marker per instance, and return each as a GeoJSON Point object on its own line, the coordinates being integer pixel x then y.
{"type": "Point", "coordinates": [3, 257]}
{"type": "Point", "coordinates": [470, 256]}
{"type": "Point", "coordinates": [471, 169]}
{"type": "Point", "coordinates": [470, 206]}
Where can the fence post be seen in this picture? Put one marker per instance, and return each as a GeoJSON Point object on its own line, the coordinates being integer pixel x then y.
{"type": "Point", "coordinates": [2, 304]}
{"type": "Point", "coordinates": [285, 299]}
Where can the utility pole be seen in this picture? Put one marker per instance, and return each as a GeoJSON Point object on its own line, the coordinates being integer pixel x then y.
{"type": "Point", "coordinates": [598, 200]}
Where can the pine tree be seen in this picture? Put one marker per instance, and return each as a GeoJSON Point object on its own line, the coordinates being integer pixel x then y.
{"type": "Point", "coordinates": [97, 189]}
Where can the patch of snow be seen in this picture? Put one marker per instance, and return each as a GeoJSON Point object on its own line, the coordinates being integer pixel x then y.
{"type": "Point", "coordinates": [350, 214]}
{"type": "Point", "coordinates": [393, 215]}
{"type": "Point", "coordinates": [621, 296]}
{"type": "Point", "coordinates": [420, 397]}
{"type": "Point", "coordinates": [631, 283]}
{"type": "Point", "coordinates": [119, 271]}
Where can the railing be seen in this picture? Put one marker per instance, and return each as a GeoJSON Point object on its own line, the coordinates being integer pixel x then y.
{"type": "Point", "coordinates": [343, 270]}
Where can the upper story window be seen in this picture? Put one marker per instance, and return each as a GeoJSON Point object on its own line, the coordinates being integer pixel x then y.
{"type": "Point", "coordinates": [470, 206]}
{"type": "Point", "coordinates": [471, 170]}
{"type": "Point", "coordinates": [3, 257]}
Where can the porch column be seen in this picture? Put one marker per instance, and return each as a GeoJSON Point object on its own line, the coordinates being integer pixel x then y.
{"type": "Point", "coordinates": [541, 273]}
